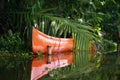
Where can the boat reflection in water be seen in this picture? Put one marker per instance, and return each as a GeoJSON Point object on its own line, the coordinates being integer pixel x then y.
{"type": "Point", "coordinates": [41, 67]}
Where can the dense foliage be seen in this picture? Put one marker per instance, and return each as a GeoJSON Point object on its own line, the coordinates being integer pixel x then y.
{"type": "Point", "coordinates": [86, 20]}
{"type": "Point", "coordinates": [103, 15]}
{"type": "Point", "coordinates": [12, 43]}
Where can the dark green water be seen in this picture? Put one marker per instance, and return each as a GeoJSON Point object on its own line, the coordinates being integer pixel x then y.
{"type": "Point", "coordinates": [109, 69]}
{"type": "Point", "coordinates": [14, 68]}
{"type": "Point", "coordinates": [19, 68]}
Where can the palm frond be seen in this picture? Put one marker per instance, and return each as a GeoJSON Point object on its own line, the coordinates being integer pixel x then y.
{"type": "Point", "coordinates": [83, 36]}
{"type": "Point", "coordinates": [55, 26]}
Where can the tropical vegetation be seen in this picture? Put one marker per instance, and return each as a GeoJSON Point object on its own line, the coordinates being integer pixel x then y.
{"type": "Point", "coordinates": [87, 21]}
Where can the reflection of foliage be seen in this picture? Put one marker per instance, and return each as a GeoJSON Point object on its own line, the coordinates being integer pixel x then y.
{"type": "Point", "coordinates": [73, 72]}
{"type": "Point", "coordinates": [105, 69]}
{"type": "Point", "coordinates": [11, 61]}
{"type": "Point", "coordinates": [15, 68]}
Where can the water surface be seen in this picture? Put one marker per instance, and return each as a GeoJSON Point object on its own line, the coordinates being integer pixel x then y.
{"type": "Point", "coordinates": [20, 68]}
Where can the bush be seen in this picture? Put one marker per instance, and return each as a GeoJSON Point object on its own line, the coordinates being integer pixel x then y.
{"type": "Point", "coordinates": [12, 43]}
{"type": "Point", "coordinates": [109, 45]}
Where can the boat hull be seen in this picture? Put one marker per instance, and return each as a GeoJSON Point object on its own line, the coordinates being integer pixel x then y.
{"type": "Point", "coordinates": [41, 41]}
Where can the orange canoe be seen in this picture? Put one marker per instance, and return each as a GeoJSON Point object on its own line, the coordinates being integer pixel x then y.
{"type": "Point", "coordinates": [41, 68]}
{"type": "Point", "coordinates": [41, 41]}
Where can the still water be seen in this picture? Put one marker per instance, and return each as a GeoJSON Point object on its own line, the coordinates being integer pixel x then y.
{"type": "Point", "coordinates": [33, 68]}
{"type": "Point", "coordinates": [15, 68]}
